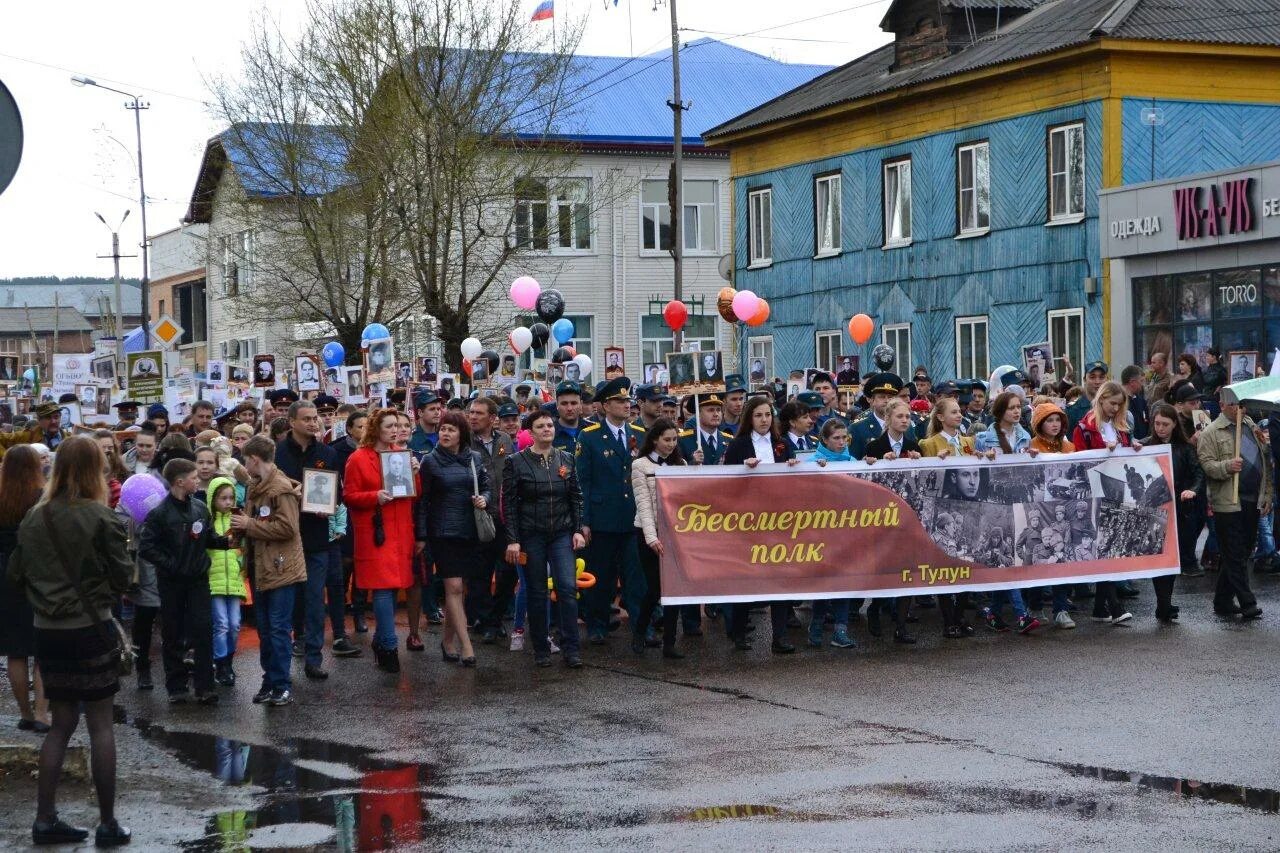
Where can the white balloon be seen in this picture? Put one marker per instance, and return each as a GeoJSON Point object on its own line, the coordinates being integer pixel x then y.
{"type": "Point", "coordinates": [471, 348]}
{"type": "Point", "coordinates": [584, 365]}
{"type": "Point", "coordinates": [521, 339]}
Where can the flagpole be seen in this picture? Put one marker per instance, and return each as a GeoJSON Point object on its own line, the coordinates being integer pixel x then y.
{"type": "Point", "coordinates": [677, 196]}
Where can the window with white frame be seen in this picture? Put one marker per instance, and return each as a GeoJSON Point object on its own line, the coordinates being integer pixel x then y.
{"type": "Point", "coordinates": [826, 349]}
{"type": "Point", "coordinates": [826, 218]}
{"type": "Point", "coordinates": [973, 187]}
{"type": "Point", "coordinates": [701, 222]}
{"type": "Point", "coordinates": [531, 214]}
{"type": "Point", "coordinates": [230, 267]}
{"type": "Point", "coordinates": [759, 360]}
{"type": "Point", "coordinates": [1066, 336]}
{"type": "Point", "coordinates": [760, 226]}
{"type": "Point", "coordinates": [971, 348]}
{"type": "Point", "coordinates": [553, 217]}
{"type": "Point", "coordinates": [898, 336]}
{"type": "Point", "coordinates": [897, 202]}
{"type": "Point", "coordinates": [1066, 172]}
{"type": "Point", "coordinates": [655, 336]}
{"type": "Point", "coordinates": [572, 203]}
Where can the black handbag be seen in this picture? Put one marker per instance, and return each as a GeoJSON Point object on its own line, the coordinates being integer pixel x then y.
{"type": "Point", "coordinates": [125, 655]}
{"type": "Point", "coordinates": [486, 530]}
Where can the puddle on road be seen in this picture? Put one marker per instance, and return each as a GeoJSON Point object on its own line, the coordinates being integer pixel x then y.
{"type": "Point", "coordinates": [1260, 799]}
{"type": "Point", "coordinates": [318, 794]}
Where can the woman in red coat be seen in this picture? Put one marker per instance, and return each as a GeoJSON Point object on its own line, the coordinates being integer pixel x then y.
{"type": "Point", "coordinates": [383, 529]}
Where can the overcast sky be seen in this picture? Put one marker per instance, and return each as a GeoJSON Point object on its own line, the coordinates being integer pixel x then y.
{"type": "Point", "coordinates": [79, 149]}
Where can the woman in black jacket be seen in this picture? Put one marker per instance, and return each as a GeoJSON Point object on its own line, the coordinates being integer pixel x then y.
{"type": "Point", "coordinates": [1188, 487]}
{"type": "Point", "coordinates": [542, 513]}
{"type": "Point", "coordinates": [444, 521]}
{"type": "Point", "coordinates": [758, 441]}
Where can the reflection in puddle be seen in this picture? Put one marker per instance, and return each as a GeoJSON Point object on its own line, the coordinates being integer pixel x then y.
{"type": "Point", "coordinates": [312, 785]}
{"type": "Point", "coordinates": [1262, 799]}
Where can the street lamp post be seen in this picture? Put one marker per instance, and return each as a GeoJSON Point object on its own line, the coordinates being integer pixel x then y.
{"type": "Point", "coordinates": [115, 257]}
{"type": "Point", "coordinates": [136, 104]}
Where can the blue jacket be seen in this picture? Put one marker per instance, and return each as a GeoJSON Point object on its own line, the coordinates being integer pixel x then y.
{"type": "Point", "coordinates": [689, 442]}
{"type": "Point", "coordinates": [604, 475]}
{"type": "Point", "coordinates": [989, 440]}
{"type": "Point", "coordinates": [567, 439]}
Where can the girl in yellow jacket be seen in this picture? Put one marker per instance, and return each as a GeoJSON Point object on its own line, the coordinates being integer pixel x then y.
{"type": "Point", "coordinates": [226, 578]}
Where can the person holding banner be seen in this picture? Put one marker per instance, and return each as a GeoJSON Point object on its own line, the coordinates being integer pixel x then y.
{"type": "Point", "coordinates": [834, 447]}
{"type": "Point", "coordinates": [1233, 455]}
{"type": "Point", "coordinates": [758, 441]}
{"type": "Point", "coordinates": [1188, 486]}
{"type": "Point", "coordinates": [896, 442]}
{"type": "Point", "coordinates": [797, 421]}
{"type": "Point", "coordinates": [942, 440]}
{"type": "Point", "coordinates": [1005, 434]}
{"type": "Point", "coordinates": [660, 447]}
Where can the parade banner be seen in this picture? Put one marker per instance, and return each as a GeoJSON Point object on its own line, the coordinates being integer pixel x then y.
{"type": "Point", "coordinates": [914, 527]}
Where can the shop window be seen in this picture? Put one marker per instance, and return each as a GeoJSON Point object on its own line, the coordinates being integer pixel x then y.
{"type": "Point", "coordinates": [826, 346]}
{"type": "Point", "coordinates": [1066, 337]}
{"type": "Point", "coordinates": [897, 203]}
{"type": "Point", "coordinates": [826, 215]}
{"type": "Point", "coordinates": [973, 185]}
{"type": "Point", "coordinates": [1237, 294]}
{"type": "Point", "coordinates": [760, 227]}
{"type": "Point", "coordinates": [971, 348]}
{"type": "Point", "coordinates": [1066, 173]}
{"type": "Point", "coordinates": [1195, 297]}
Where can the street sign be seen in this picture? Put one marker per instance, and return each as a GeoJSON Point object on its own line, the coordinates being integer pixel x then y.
{"type": "Point", "coordinates": [10, 137]}
{"type": "Point", "coordinates": [166, 331]}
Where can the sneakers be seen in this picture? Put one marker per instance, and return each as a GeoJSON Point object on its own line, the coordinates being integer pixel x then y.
{"type": "Point", "coordinates": [815, 633]}
{"type": "Point", "coordinates": [280, 698]}
{"type": "Point", "coordinates": [262, 695]}
{"type": "Point", "coordinates": [1027, 624]}
{"type": "Point", "coordinates": [1062, 619]}
{"type": "Point", "coordinates": [299, 650]}
{"type": "Point", "coordinates": [435, 617]}
{"type": "Point", "coordinates": [993, 620]}
{"type": "Point", "coordinates": [841, 639]}
{"type": "Point", "coordinates": [1122, 618]}
{"type": "Point", "coordinates": [344, 648]}
{"type": "Point", "coordinates": [315, 673]}
{"type": "Point", "coordinates": [517, 640]}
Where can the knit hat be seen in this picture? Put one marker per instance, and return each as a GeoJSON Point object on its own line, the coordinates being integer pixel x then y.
{"type": "Point", "coordinates": [1044, 410]}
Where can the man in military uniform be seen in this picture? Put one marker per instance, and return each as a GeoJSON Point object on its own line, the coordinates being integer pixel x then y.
{"type": "Point", "coordinates": [670, 408]}
{"type": "Point", "coordinates": [880, 391]}
{"type": "Point", "coordinates": [604, 451]}
{"type": "Point", "coordinates": [1095, 373]}
{"type": "Point", "coordinates": [735, 397]}
{"type": "Point", "coordinates": [650, 399]}
{"type": "Point", "coordinates": [705, 443]}
{"type": "Point", "coordinates": [46, 431]}
{"type": "Point", "coordinates": [568, 409]}
{"type": "Point", "coordinates": [127, 411]}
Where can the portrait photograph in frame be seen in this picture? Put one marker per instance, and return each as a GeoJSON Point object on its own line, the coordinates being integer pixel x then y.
{"type": "Point", "coordinates": [398, 478]}
{"type": "Point", "coordinates": [319, 491]}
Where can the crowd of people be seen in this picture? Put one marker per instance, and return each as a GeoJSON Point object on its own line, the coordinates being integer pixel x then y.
{"type": "Point", "coordinates": [498, 506]}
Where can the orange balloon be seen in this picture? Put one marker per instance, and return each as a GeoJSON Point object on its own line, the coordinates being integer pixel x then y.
{"type": "Point", "coordinates": [762, 314]}
{"type": "Point", "coordinates": [724, 304]}
{"type": "Point", "coordinates": [860, 328]}
{"type": "Point", "coordinates": [573, 353]}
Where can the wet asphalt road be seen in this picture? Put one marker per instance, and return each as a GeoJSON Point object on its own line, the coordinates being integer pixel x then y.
{"type": "Point", "coordinates": [1136, 738]}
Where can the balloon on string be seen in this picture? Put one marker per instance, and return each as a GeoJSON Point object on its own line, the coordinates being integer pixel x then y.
{"type": "Point", "coordinates": [562, 330]}
{"type": "Point", "coordinates": [860, 328]}
{"type": "Point", "coordinates": [762, 314]}
{"type": "Point", "coordinates": [745, 303]}
{"type": "Point", "coordinates": [541, 333]}
{"type": "Point", "coordinates": [374, 331]}
{"type": "Point", "coordinates": [493, 358]}
{"type": "Point", "coordinates": [471, 348]}
{"type": "Point", "coordinates": [524, 292]}
{"type": "Point", "coordinates": [550, 305]}
{"type": "Point", "coordinates": [562, 355]}
{"type": "Point", "coordinates": [142, 493]}
{"type": "Point", "coordinates": [333, 354]}
{"type": "Point", "coordinates": [466, 366]}
{"type": "Point", "coordinates": [29, 374]}
{"type": "Point", "coordinates": [572, 350]}
{"type": "Point", "coordinates": [584, 364]}
{"type": "Point", "coordinates": [520, 339]}
{"type": "Point", "coordinates": [675, 314]}
{"type": "Point", "coordinates": [724, 304]}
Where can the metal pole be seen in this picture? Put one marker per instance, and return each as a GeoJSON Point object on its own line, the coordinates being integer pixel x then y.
{"type": "Point", "coordinates": [677, 215]}
{"type": "Point", "coordinates": [137, 108]}
{"type": "Point", "coordinates": [115, 255]}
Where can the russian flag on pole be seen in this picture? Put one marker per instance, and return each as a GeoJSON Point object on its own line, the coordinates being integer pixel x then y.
{"type": "Point", "coordinates": [545, 12]}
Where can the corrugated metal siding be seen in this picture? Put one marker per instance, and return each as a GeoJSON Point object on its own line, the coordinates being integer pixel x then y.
{"type": "Point", "coordinates": [1197, 137]}
{"type": "Point", "coordinates": [1015, 274]}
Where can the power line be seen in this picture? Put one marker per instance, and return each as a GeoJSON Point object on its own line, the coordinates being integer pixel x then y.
{"type": "Point", "coordinates": [123, 83]}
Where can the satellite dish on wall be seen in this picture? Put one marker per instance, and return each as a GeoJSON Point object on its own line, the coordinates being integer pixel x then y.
{"type": "Point", "coordinates": [10, 137]}
{"type": "Point", "coordinates": [726, 267]}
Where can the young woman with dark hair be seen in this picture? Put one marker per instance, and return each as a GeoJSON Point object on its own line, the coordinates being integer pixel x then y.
{"type": "Point", "coordinates": [1188, 489]}
{"type": "Point", "coordinates": [660, 447]}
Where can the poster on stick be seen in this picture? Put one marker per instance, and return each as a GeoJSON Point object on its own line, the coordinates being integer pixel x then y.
{"type": "Point", "coordinates": [914, 527]}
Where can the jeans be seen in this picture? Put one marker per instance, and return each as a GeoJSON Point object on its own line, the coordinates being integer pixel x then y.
{"type": "Point", "coordinates": [324, 574]}
{"type": "Point", "coordinates": [837, 607]}
{"type": "Point", "coordinates": [384, 620]}
{"type": "Point", "coordinates": [522, 600]}
{"type": "Point", "coordinates": [1266, 538]}
{"type": "Point", "coordinates": [1236, 533]}
{"type": "Point", "coordinates": [1013, 596]}
{"type": "Point", "coordinates": [226, 625]}
{"type": "Point", "coordinates": [144, 621]}
{"type": "Point", "coordinates": [650, 565]}
{"type": "Point", "coordinates": [552, 552]}
{"type": "Point", "coordinates": [273, 611]}
{"type": "Point", "coordinates": [186, 617]}
{"type": "Point", "coordinates": [611, 556]}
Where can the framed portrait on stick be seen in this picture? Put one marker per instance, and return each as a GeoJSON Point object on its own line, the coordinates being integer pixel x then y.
{"type": "Point", "coordinates": [397, 474]}
{"type": "Point", "coordinates": [319, 491]}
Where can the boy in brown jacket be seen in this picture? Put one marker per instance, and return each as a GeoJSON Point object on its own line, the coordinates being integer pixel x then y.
{"type": "Point", "coordinates": [269, 524]}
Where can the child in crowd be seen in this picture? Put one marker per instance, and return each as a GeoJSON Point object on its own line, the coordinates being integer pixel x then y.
{"type": "Point", "coordinates": [206, 470]}
{"type": "Point", "coordinates": [1049, 430]}
{"type": "Point", "coordinates": [226, 579]}
{"type": "Point", "coordinates": [834, 447]}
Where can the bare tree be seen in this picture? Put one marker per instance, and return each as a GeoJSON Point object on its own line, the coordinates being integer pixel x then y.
{"type": "Point", "coordinates": [411, 150]}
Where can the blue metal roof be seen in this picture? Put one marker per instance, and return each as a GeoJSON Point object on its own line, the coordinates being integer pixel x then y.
{"type": "Point", "coordinates": [254, 151]}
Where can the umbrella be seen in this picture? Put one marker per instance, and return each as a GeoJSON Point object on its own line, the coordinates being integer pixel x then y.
{"type": "Point", "coordinates": [1261, 393]}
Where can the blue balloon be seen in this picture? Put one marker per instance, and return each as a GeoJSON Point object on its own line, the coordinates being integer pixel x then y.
{"type": "Point", "coordinates": [562, 330]}
{"type": "Point", "coordinates": [333, 354]}
{"type": "Point", "coordinates": [29, 374]}
{"type": "Point", "coordinates": [373, 331]}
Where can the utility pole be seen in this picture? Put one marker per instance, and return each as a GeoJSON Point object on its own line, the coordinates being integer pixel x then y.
{"type": "Point", "coordinates": [115, 257]}
{"type": "Point", "coordinates": [677, 213]}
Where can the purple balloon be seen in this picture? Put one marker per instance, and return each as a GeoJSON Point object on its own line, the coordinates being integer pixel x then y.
{"type": "Point", "coordinates": [142, 493]}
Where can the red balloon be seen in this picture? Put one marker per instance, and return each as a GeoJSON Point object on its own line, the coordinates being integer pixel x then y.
{"type": "Point", "coordinates": [860, 328]}
{"type": "Point", "coordinates": [676, 315]}
{"type": "Point", "coordinates": [762, 314]}
{"type": "Point", "coordinates": [466, 366]}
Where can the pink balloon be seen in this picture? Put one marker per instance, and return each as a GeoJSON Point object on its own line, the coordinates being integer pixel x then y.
{"type": "Point", "coordinates": [745, 305]}
{"type": "Point", "coordinates": [524, 292]}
